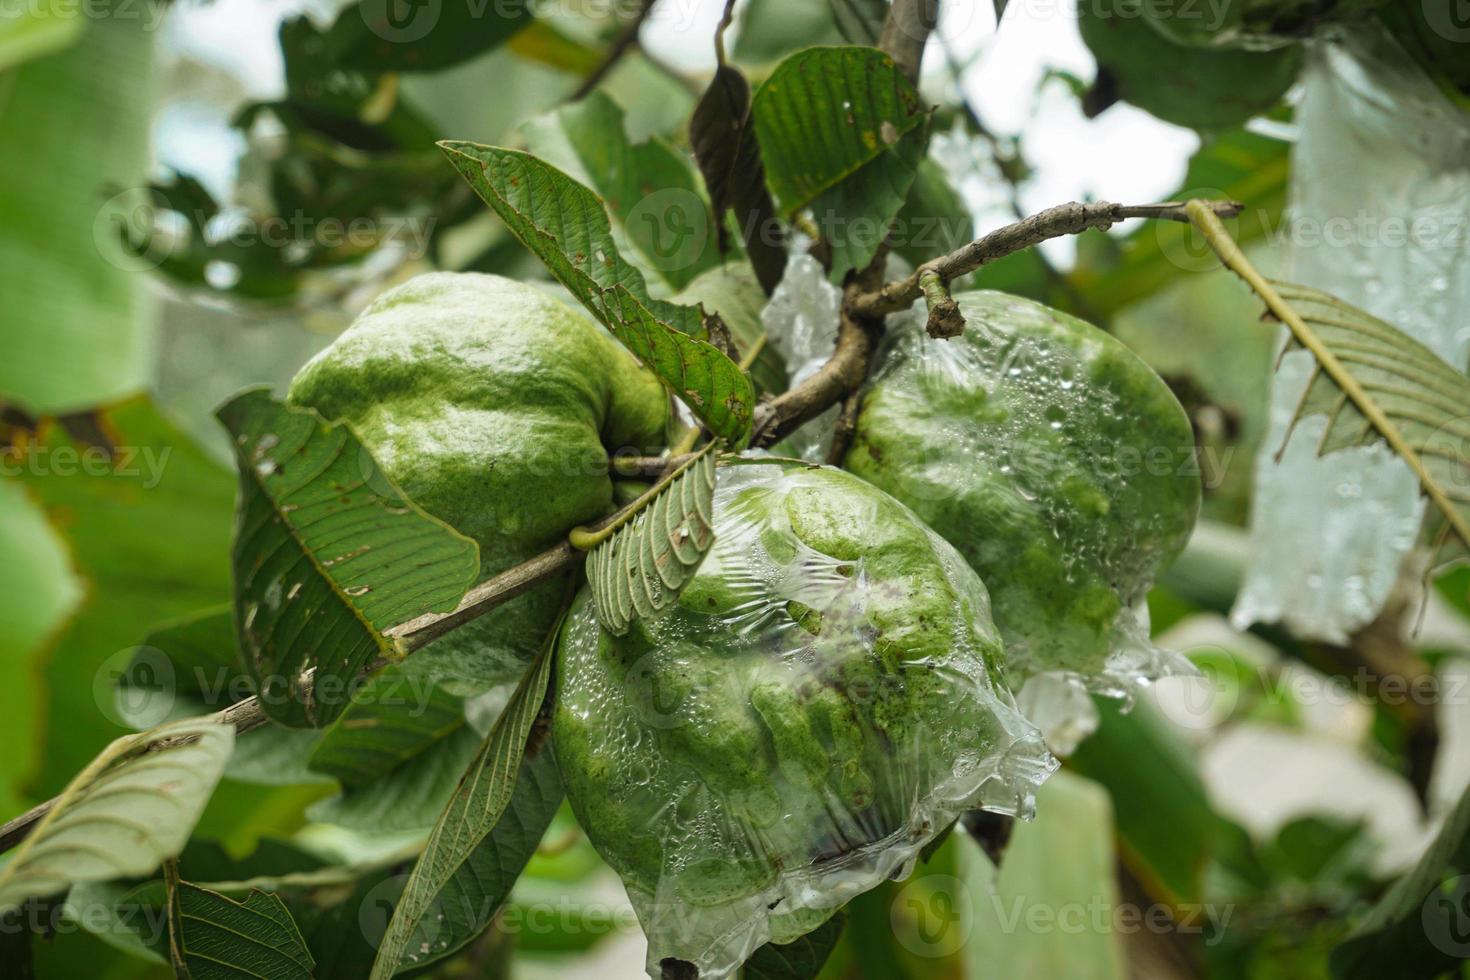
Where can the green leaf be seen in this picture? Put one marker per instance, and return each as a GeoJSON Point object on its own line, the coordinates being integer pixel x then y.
{"type": "Point", "coordinates": [78, 318]}
{"type": "Point", "coordinates": [770, 29]}
{"type": "Point", "coordinates": [649, 188]}
{"type": "Point", "coordinates": [722, 134]}
{"type": "Point", "coordinates": [1375, 384]}
{"type": "Point", "coordinates": [328, 554]}
{"type": "Point", "coordinates": [376, 36]}
{"type": "Point", "coordinates": [800, 959]}
{"type": "Point", "coordinates": [393, 719]}
{"type": "Point", "coordinates": [38, 591]}
{"type": "Point", "coordinates": [733, 292]}
{"type": "Point", "coordinates": [409, 797]}
{"type": "Point", "coordinates": [1168, 829]}
{"type": "Point", "coordinates": [842, 132]}
{"type": "Point", "coordinates": [566, 226]}
{"type": "Point", "coordinates": [860, 21]}
{"type": "Point", "coordinates": [472, 816]}
{"type": "Point", "coordinates": [124, 814]}
{"type": "Point", "coordinates": [934, 219]}
{"type": "Point", "coordinates": [191, 666]}
{"type": "Point", "coordinates": [149, 529]}
{"type": "Point", "coordinates": [1063, 860]}
{"type": "Point", "coordinates": [212, 937]}
{"type": "Point", "coordinates": [639, 572]}
{"type": "Point", "coordinates": [1417, 929]}
{"type": "Point", "coordinates": [33, 33]}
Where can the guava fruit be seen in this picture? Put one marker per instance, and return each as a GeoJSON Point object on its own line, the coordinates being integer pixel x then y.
{"type": "Point", "coordinates": [1257, 25]}
{"type": "Point", "coordinates": [820, 703]}
{"type": "Point", "coordinates": [1056, 461]}
{"type": "Point", "coordinates": [494, 407]}
{"type": "Point", "coordinates": [1202, 89]}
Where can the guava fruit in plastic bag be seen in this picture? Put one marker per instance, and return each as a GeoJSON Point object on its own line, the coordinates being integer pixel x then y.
{"type": "Point", "coordinates": [494, 407]}
{"type": "Point", "coordinates": [821, 702]}
{"type": "Point", "coordinates": [1055, 460]}
{"type": "Point", "coordinates": [1200, 88]}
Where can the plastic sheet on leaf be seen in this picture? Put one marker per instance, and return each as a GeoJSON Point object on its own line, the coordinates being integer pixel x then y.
{"type": "Point", "coordinates": [1381, 205]}
{"type": "Point", "coordinates": [822, 702]}
{"type": "Point", "coordinates": [1060, 466]}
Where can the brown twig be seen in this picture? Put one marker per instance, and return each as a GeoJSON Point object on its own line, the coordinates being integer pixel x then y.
{"type": "Point", "coordinates": [626, 40]}
{"type": "Point", "coordinates": [1064, 219]}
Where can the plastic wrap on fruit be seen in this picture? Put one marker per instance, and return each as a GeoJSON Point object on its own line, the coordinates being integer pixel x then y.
{"type": "Point", "coordinates": [1057, 462]}
{"type": "Point", "coordinates": [494, 406]}
{"type": "Point", "coordinates": [821, 702]}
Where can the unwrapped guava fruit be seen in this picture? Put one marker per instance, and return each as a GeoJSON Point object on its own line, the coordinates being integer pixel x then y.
{"type": "Point", "coordinates": [1055, 460]}
{"type": "Point", "coordinates": [821, 702]}
{"type": "Point", "coordinates": [495, 407]}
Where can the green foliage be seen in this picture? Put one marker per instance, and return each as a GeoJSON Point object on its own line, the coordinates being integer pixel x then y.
{"type": "Point", "coordinates": [451, 862]}
{"type": "Point", "coordinates": [124, 814]}
{"type": "Point", "coordinates": [842, 133]}
{"type": "Point", "coordinates": [213, 937]}
{"type": "Point", "coordinates": [566, 226]}
{"type": "Point", "coordinates": [322, 554]}
{"type": "Point", "coordinates": [1207, 90]}
{"type": "Point", "coordinates": [639, 572]}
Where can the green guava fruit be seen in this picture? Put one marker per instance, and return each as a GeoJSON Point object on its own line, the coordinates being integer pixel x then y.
{"type": "Point", "coordinates": [1058, 463]}
{"type": "Point", "coordinates": [1202, 89]}
{"type": "Point", "coordinates": [820, 703]}
{"type": "Point", "coordinates": [1257, 25]}
{"type": "Point", "coordinates": [494, 407]}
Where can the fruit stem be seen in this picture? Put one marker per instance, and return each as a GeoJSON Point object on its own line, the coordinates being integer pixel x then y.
{"type": "Point", "coordinates": [585, 538]}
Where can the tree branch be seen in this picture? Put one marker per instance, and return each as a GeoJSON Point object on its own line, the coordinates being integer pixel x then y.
{"type": "Point", "coordinates": [1064, 219]}
{"type": "Point", "coordinates": [626, 40]}
{"type": "Point", "coordinates": [864, 305]}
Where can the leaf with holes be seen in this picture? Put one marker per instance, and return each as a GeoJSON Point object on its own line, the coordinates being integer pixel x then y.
{"type": "Point", "coordinates": [723, 137]}
{"type": "Point", "coordinates": [639, 572]}
{"type": "Point", "coordinates": [566, 226]}
{"type": "Point", "coordinates": [842, 132]}
{"type": "Point", "coordinates": [213, 937]}
{"type": "Point", "coordinates": [1374, 383]}
{"type": "Point", "coordinates": [328, 554]}
{"type": "Point", "coordinates": [473, 815]}
{"type": "Point", "coordinates": [128, 811]}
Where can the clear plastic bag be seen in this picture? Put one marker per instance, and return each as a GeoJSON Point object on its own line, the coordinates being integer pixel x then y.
{"type": "Point", "coordinates": [822, 702]}
{"type": "Point", "coordinates": [1057, 462]}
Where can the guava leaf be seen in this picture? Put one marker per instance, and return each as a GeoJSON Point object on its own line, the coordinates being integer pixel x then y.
{"type": "Point", "coordinates": [1417, 928]}
{"type": "Point", "coordinates": [32, 33]}
{"type": "Point", "coordinates": [1374, 383]}
{"type": "Point", "coordinates": [639, 572]}
{"type": "Point", "coordinates": [565, 225]}
{"type": "Point", "coordinates": [450, 869]}
{"type": "Point", "coordinates": [800, 959]}
{"type": "Point", "coordinates": [409, 797]}
{"type": "Point", "coordinates": [375, 36]}
{"type": "Point", "coordinates": [328, 554]}
{"type": "Point", "coordinates": [722, 134]}
{"type": "Point", "coordinates": [132, 808]}
{"type": "Point", "coordinates": [212, 937]}
{"type": "Point", "coordinates": [842, 132]}
{"type": "Point", "coordinates": [649, 188]}
{"type": "Point", "coordinates": [396, 717]}
{"type": "Point", "coordinates": [860, 21]}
